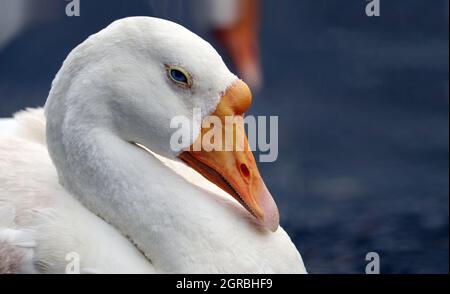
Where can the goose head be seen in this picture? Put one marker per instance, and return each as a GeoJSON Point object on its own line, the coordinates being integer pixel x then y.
{"type": "Point", "coordinates": [133, 78]}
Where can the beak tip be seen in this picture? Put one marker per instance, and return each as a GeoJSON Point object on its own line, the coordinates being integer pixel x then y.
{"type": "Point", "coordinates": [271, 218]}
{"type": "Point", "coordinates": [272, 221]}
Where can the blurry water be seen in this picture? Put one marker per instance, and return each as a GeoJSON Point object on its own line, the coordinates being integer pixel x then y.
{"type": "Point", "coordinates": [363, 106]}
{"type": "Point", "coordinates": [363, 110]}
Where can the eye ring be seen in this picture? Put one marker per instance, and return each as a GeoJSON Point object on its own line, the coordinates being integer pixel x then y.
{"type": "Point", "coordinates": [179, 76]}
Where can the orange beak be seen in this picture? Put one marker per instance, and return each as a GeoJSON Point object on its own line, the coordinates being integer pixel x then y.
{"type": "Point", "coordinates": [233, 167]}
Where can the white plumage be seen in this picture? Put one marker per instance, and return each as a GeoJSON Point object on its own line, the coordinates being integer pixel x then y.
{"type": "Point", "coordinates": [71, 183]}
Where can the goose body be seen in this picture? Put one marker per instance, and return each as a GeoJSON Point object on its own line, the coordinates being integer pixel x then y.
{"type": "Point", "coordinates": [73, 188]}
{"type": "Point", "coordinates": [40, 223]}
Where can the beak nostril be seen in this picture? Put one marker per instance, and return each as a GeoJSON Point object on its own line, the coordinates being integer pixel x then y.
{"type": "Point", "coordinates": [244, 170]}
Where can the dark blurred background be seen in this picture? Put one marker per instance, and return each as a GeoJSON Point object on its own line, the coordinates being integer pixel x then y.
{"type": "Point", "coordinates": [363, 112]}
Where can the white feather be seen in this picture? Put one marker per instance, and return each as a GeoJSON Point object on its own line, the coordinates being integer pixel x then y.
{"type": "Point", "coordinates": [119, 208]}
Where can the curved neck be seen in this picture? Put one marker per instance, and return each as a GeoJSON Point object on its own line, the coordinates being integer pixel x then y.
{"type": "Point", "coordinates": [178, 226]}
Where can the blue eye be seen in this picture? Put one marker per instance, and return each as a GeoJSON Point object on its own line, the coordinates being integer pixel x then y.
{"type": "Point", "coordinates": [180, 76]}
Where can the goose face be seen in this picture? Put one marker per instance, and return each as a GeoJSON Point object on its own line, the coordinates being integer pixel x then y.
{"type": "Point", "coordinates": [183, 72]}
{"type": "Point", "coordinates": [145, 72]}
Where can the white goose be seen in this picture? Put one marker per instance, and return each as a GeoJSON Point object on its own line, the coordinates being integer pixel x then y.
{"type": "Point", "coordinates": [73, 182]}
